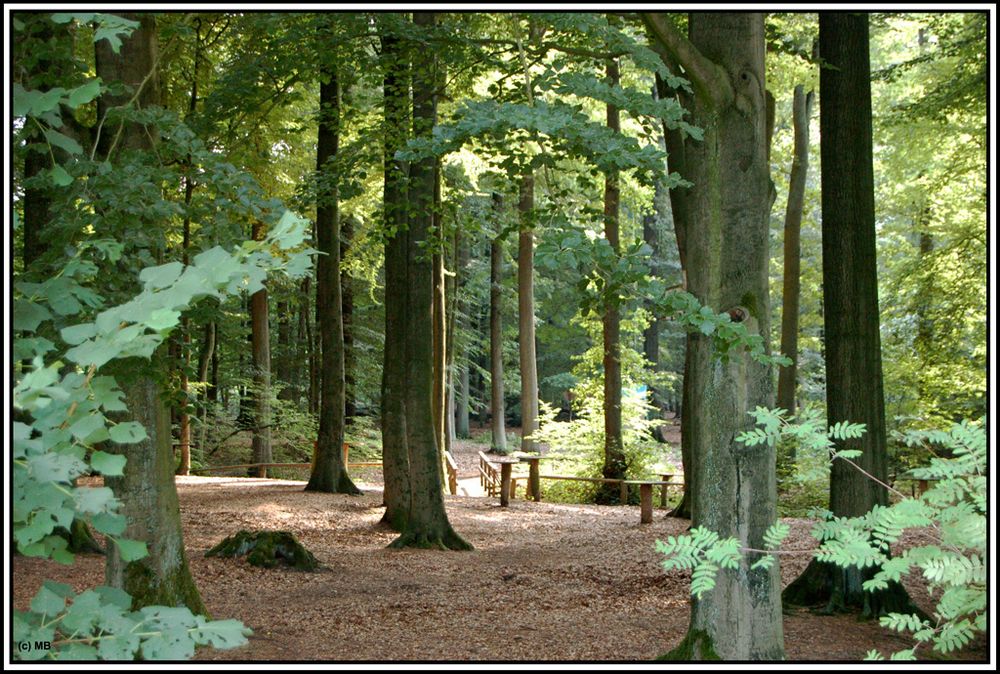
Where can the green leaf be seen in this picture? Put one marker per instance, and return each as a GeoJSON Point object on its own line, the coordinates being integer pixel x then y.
{"type": "Point", "coordinates": [28, 315]}
{"type": "Point", "coordinates": [60, 177]}
{"type": "Point", "coordinates": [162, 319]}
{"type": "Point", "coordinates": [93, 500]}
{"type": "Point", "coordinates": [171, 644]}
{"type": "Point", "coordinates": [88, 426]}
{"type": "Point", "coordinates": [130, 550]}
{"type": "Point", "coordinates": [111, 524]}
{"type": "Point", "coordinates": [85, 93]}
{"type": "Point", "coordinates": [63, 141]}
{"type": "Point", "coordinates": [223, 634]}
{"type": "Point", "coordinates": [47, 602]}
{"type": "Point", "coordinates": [75, 334]}
{"type": "Point", "coordinates": [107, 464]}
{"type": "Point", "coordinates": [161, 276]}
{"type": "Point", "coordinates": [127, 432]}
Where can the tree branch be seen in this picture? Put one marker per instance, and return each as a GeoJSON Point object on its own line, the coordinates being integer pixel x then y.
{"type": "Point", "coordinates": [710, 82]}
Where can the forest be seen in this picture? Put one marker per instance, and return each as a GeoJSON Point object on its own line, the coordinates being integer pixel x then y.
{"type": "Point", "coordinates": [433, 336]}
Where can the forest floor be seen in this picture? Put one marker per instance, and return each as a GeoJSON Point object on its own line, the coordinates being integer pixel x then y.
{"type": "Point", "coordinates": [546, 582]}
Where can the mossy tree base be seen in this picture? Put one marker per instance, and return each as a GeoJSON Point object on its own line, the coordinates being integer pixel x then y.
{"type": "Point", "coordinates": [151, 589]}
{"type": "Point", "coordinates": [824, 586]}
{"type": "Point", "coordinates": [266, 549]}
{"type": "Point", "coordinates": [697, 645]}
{"type": "Point", "coordinates": [79, 539]}
{"type": "Point", "coordinates": [342, 484]}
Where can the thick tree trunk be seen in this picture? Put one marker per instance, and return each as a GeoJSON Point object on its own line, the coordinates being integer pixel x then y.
{"type": "Point", "coordinates": [614, 452]}
{"type": "Point", "coordinates": [734, 489]}
{"type": "Point", "coordinates": [497, 412]}
{"type": "Point", "coordinates": [395, 456]}
{"type": "Point", "coordinates": [427, 525]}
{"type": "Point", "coordinates": [149, 501]}
{"type": "Point", "coordinates": [440, 324]}
{"type": "Point", "coordinates": [801, 106]}
{"type": "Point", "coordinates": [526, 316]}
{"type": "Point", "coordinates": [329, 474]}
{"type": "Point", "coordinates": [850, 311]}
{"type": "Point", "coordinates": [146, 489]}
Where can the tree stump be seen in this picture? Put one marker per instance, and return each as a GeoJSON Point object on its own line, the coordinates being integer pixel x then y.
{"type": "Point", "coordinates": [266, 549]}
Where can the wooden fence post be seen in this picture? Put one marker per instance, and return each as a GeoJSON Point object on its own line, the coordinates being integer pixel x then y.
{"type": "Point", "coordinates": [504, 485]}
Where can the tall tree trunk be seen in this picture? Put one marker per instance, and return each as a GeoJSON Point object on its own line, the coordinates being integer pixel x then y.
{"type": "Point", "coordinates": [395, 456]}
{"type": "Point", "coordinates": [329, 474]}
{"type": "Point", "coordinates": [451, 300]}
{"type": "Point", "coordinates": [726, 244]}
{"type": "Point", "coordinates": [526, 315]}
{"type": "Point", "coordinates": [440, 324]}
{"type": "Point", "coordinates": [497, 411]}
{"type": "Point", "coordinates": [850, 311]}
{"type": "Point", "coordinates": [679, 199]}
{"type": "Point", "coordinates": [260, 350]}
{"type": "Point", "coordinates": [427, 524]}
{"type": "Point", "coordinates": [283, 362]}
{"type": "Point", "coordinates": [347, 320]}
{"type": "Point", "coordinates": [801, 108]}
{"type": "Point", "coordinates": [205, 360]}
{"type": "Point", "coordinates": [146, 489]}
{"type": "Point", "coordinates": [614, 451]}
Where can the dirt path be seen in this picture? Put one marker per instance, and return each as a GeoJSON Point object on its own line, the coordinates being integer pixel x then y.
{"type": "Point", "coordinates": [545, 582]}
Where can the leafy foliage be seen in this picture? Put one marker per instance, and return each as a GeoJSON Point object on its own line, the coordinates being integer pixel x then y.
{"type": "Point", "coordinates": [954, 510]}
{"type": "Point", "coordinates": [98, 624]}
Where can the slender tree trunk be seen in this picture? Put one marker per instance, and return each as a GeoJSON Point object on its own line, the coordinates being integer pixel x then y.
{"type": "Point", "coordinates": [205, 360]}
{"type": "Point", "coordinates": [801, 107]}
{"type": "Point", "coordinates": [440, 324]}
{"type": "Point", "coordinates": [146, 490]}
{"type": "Point", "coordinates": [726, 247]}
{"type": "Point", "coordinates": [679, 199]}
{"type": "Point", "coordinates": [614, 452]}
{"type": "Point", "coordinates": [461, 318]}
{"type": "Point", "coordinates": [850, 311]}
{"type": "Point", "coordinates": [526, 315]}
{"type": "Point", "coordinates": [497, 412]}
{"type": "Point", "coordinates": [395, 456]}
{"type": "Point", "coordinates": [329, 474]}
{"type": "Point", "coordinates": [427, 525]}
{"type": "Point", "coordinates": [451, 300]}
{"type": "Point", "coordinates": [260, 349]}
{"type": "Point", "coordinates": [347, 320]}
{"type": "Point", "coordinates": [283, 365]}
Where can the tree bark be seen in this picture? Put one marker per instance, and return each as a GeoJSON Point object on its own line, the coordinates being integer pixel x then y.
{"type": "Point", "coordinates": [329, 474]}
{"type": "Point", "coordinates": [347, 321]}
{"type": "Point", "coordinates": [260, 349]}
{"type": "Point", "coordinates": [497, 411]}
{"type": "Point", "coordinates": [427, 524]}
{"type": "Point", "coordinates": [801, 107]}
{"type": "Point", "coordinates": [526, 316]}
{"type": "Point", "coordinates": [146, 489]}
{"type": "Point", "coordinates": [734, 489]}
{"type": "Point", "coordinates": [395, 456]}
{"type": "Point", "coordinates": [850, 312]}
{"type": "Point", "coordinates": [614, 451]}
{"type": "Point", "coordinates": [679, 209]}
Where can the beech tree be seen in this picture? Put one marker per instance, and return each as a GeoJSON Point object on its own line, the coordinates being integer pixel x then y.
{"type": "Point", "coordinates": [427, 524]}
{"type": "Point", "coordinates": [146, 489]}
{"type": "Point", "coordinates": [734, 490]}
{"type": "Point", "coordinates": [851, 310]}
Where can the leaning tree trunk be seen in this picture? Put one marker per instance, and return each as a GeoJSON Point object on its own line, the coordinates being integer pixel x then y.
{"type": "Point", "coordinates": [497, 412]}
{"type": "Point", "coordinates": [427, 524]}
{"type": "Point", "coordinates": [734, 488]}
{"type": "Point", "coordinates": [329, 474]}
{"type": "Point", "coordinates": [395, 457]}
{"type": "Point", "coordinates": [801, 106]}
{"type": "Point", "coordinates": [850, 308]}
{"type": "Point", "coordinates": [526, 316]}
{"type": "Point", "coordinates": [614, 451]}
{"type": "Point", "coordinates": [146, 489]}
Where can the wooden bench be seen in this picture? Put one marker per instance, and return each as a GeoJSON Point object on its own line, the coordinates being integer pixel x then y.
{"type": "Point", "coordinates": [646, 496]}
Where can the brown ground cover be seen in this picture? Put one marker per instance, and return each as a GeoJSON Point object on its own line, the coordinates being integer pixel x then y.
{"type": "Point", "coordinates": [545, 582]}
